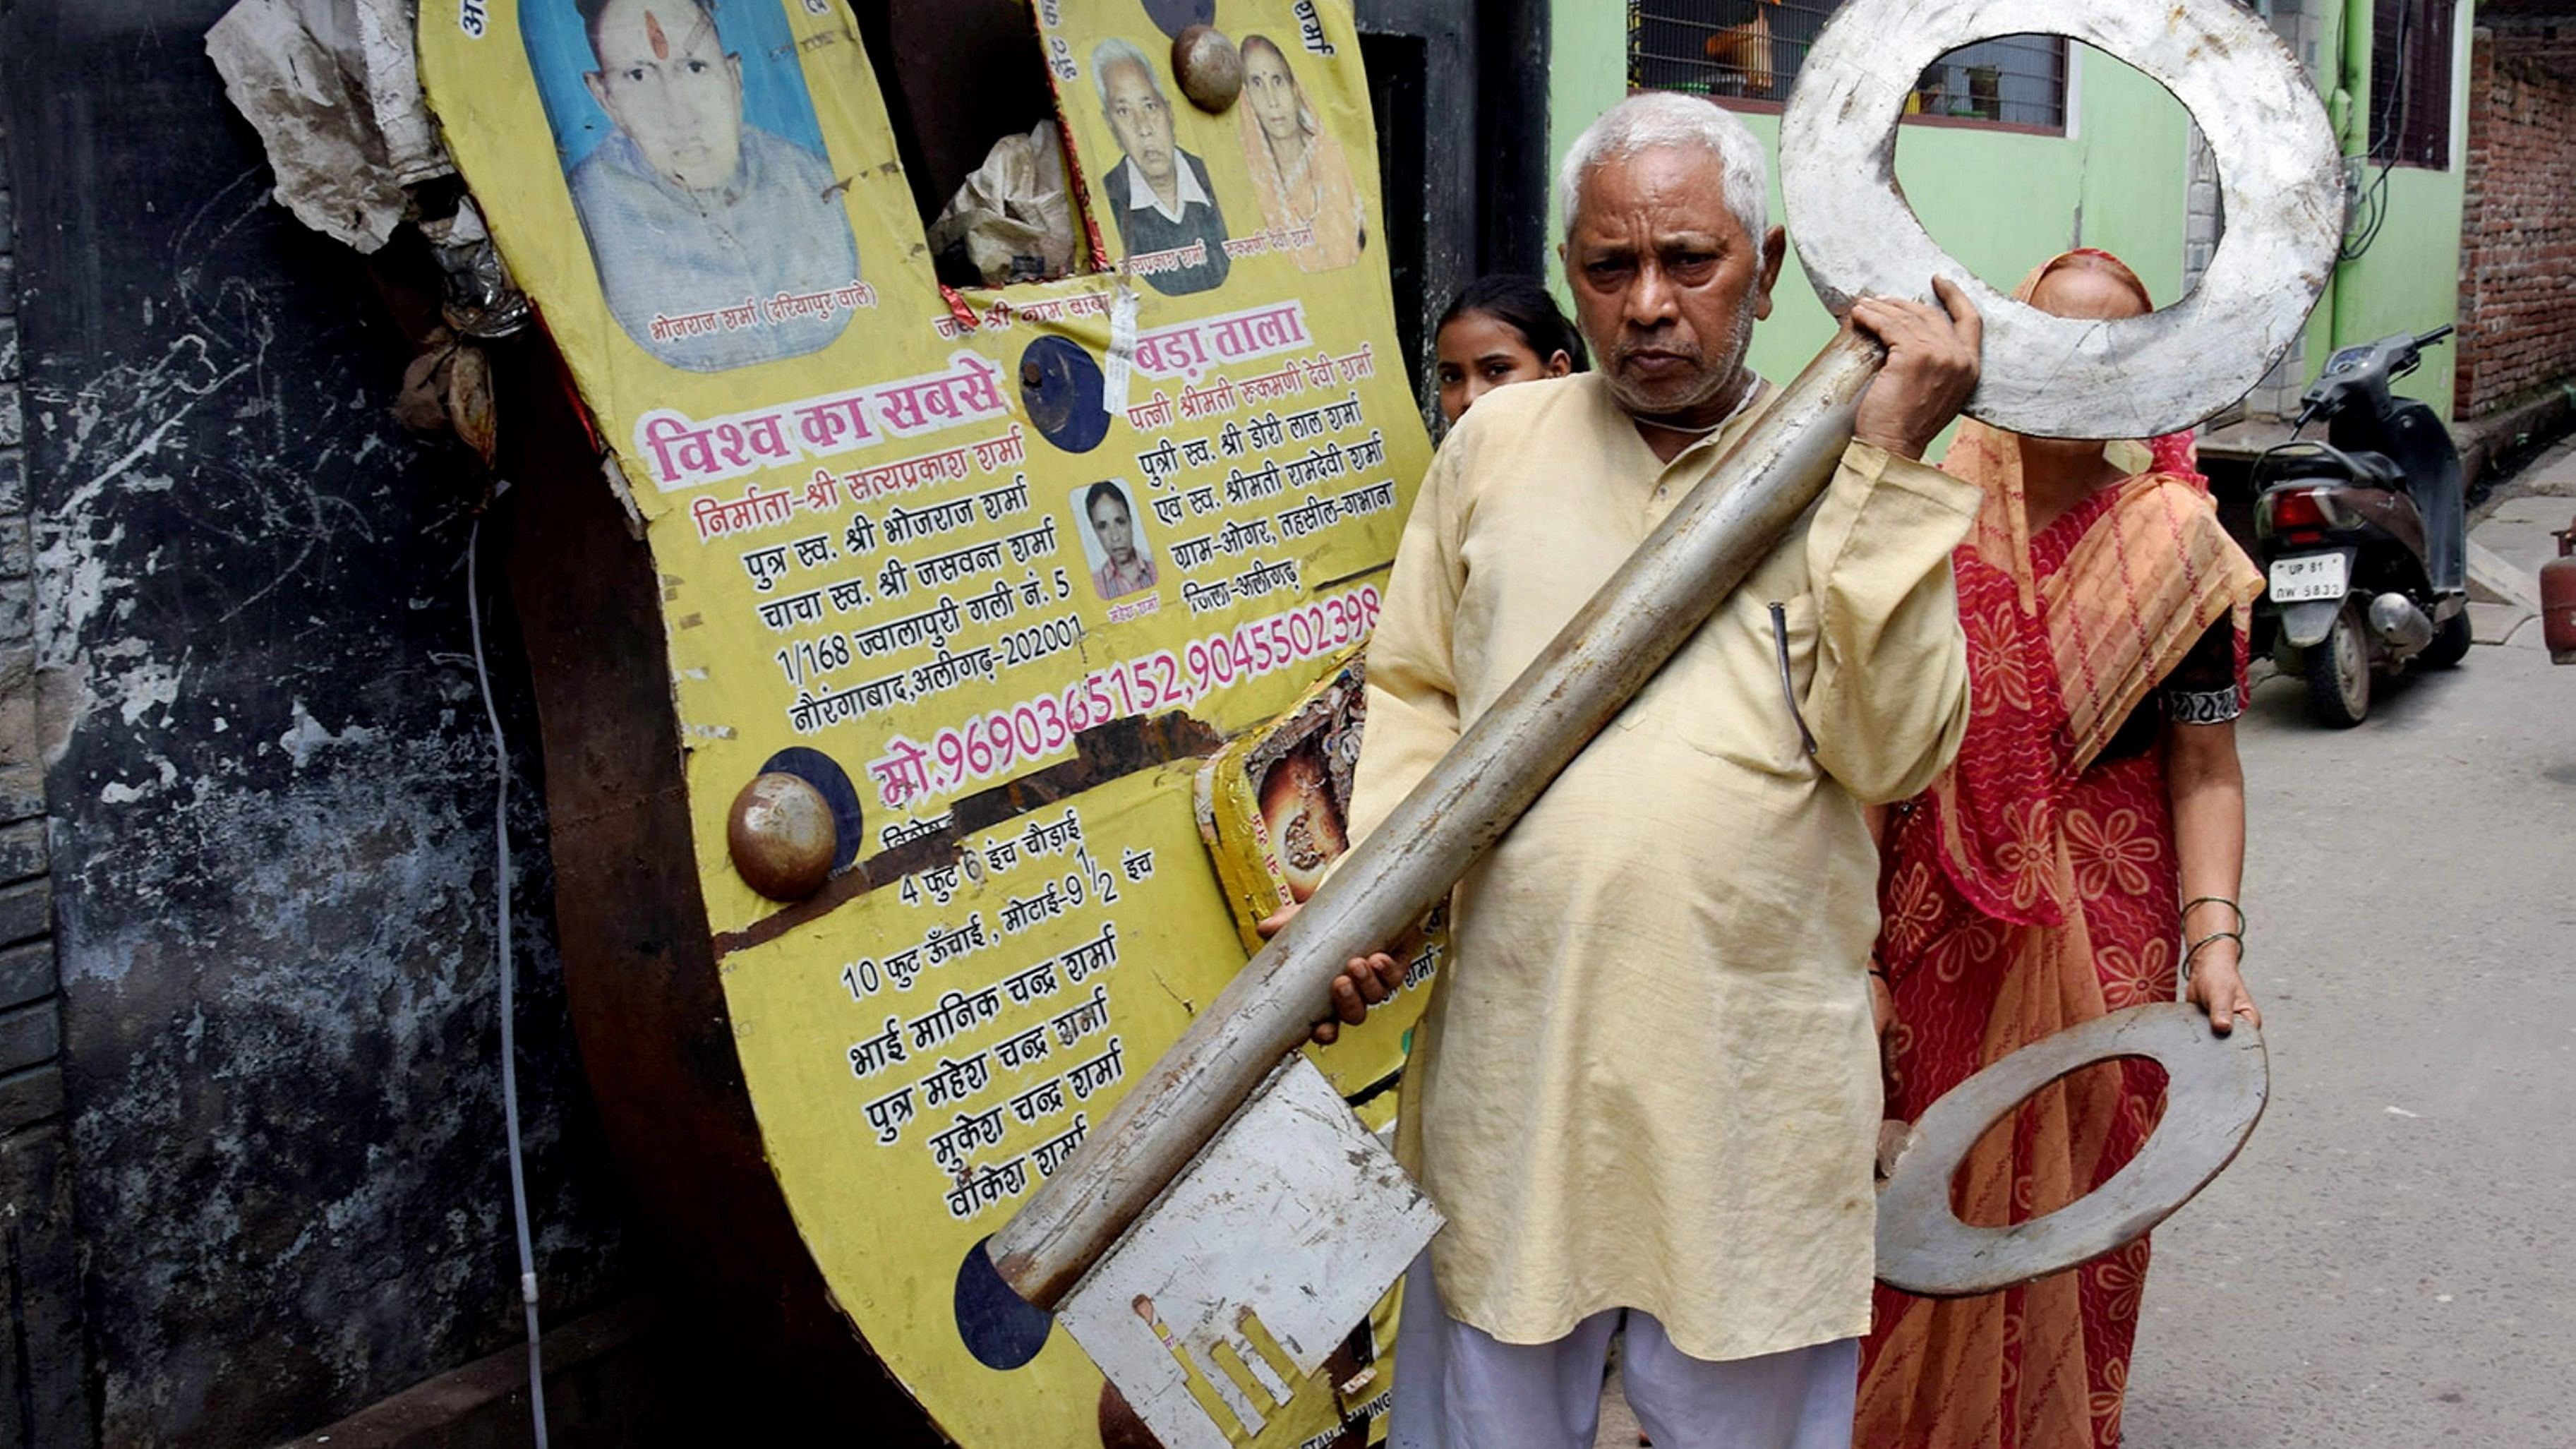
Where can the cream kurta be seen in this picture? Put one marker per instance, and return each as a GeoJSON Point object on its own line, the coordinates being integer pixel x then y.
{"type": "Point", "coordinates": [1648, 1077]}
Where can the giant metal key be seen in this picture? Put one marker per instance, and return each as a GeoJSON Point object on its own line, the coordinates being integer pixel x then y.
{"type": "Point", "coordinates": [1216, 1236]}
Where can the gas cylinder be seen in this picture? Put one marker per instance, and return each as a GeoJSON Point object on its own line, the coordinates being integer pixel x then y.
{"type": "Point", "coordinates": [2558, 600]}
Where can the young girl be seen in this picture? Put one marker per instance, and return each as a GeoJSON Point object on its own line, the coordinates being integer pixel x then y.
{"type": "Point", "coordinates": [1501, 329]}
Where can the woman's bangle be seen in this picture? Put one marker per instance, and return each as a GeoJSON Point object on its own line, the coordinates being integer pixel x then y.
{"type": "Point", "coordinates": [2219, 901]}
{"type": "Point", "coordinates": [2182, 982]}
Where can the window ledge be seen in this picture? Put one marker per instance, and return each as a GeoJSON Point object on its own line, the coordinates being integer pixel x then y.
{"type": "Point", "coordinates": [1754, 106]}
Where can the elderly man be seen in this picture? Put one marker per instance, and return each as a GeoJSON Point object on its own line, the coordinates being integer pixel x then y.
{"type": "Point", "coordinates": [1647, 1087]}
{"type": "Point", "coordinates": [1158, 192]}
{"type": "Point", "coordinates": [691, 210]}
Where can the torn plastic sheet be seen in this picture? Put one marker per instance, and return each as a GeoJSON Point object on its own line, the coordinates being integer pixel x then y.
{"type": "Point", "coordinates": [332, 88]}
{"type": "Point", "coordinates": [1012, 221]}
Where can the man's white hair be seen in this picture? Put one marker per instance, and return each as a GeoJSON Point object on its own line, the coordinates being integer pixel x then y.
{"type": "Point", "coordinates": [1656, 119]}
{"type": "Point", "coordinates": [1113, 52]}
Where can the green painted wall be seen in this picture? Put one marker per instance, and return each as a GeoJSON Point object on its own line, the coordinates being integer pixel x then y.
{"type": "Point", "coordinates": [2409, 279]}
{"type": "Point", "coordinates": [2001, 202]}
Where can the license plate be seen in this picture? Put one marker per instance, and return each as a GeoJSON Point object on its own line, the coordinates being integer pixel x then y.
{"type": "Point", "coordinates": [2310, 576]}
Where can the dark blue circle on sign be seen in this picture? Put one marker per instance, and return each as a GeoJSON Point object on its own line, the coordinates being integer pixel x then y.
{"type": "Point", "coordinates": [1175, 16]}
{"type": "Point", "coordinates": [823, 773]}
{"type": "Point", "coordinates": [1002, 1329]}
{"type": "Point", "coordinates": [1060, 386]}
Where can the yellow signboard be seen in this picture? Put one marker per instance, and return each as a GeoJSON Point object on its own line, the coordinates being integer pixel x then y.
{"type": "Point", "coordinates": [988, 569]}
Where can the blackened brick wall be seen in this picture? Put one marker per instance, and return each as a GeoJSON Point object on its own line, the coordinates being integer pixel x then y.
{"type": "Point", "coordinates": [42, 1371]}
{"type": "Point", "coordinates": [2518, 248]}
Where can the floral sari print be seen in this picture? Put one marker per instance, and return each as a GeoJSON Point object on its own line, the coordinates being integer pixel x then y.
{"type": "Point", "coordinates": [2031, 889]}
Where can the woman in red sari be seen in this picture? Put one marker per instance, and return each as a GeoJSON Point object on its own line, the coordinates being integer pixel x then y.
{"type": "Point", "coordinates": [2090, 837]}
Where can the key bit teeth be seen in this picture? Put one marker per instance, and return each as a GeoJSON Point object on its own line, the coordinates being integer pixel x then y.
{"type": "Point", "coordinates": [1234, 1384]}
{"type": "Point", "coordinates": [1272, 1385]}
{"type": "Point", "coordinates": [1263, 1355]}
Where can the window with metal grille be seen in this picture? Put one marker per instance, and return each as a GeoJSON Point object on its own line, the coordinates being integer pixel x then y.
{"type": "Point", "coordinates": [2410, 82]}
{"type": "Point", "coordinates": [1746, 53]}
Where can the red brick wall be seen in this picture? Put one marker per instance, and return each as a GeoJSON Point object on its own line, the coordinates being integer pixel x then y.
{"type": "Point", "coordinates": [2518, 248]}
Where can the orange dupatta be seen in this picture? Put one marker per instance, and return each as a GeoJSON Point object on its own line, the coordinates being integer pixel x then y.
{"type": "Point", "coordinates": [2056, 666]}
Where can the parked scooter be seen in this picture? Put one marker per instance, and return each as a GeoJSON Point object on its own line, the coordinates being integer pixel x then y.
{"type": "Point", "coordinates": [2364, 536]}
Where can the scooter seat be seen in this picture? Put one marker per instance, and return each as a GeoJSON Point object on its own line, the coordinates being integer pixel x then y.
{"type": "Point", "coordinates": [2377, 470]}
{"type": "Point", "coordinates": [2359, 468]}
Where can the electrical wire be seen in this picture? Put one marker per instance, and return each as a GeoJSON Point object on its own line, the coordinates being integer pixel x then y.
{"type": "Point", "coordinates": [509, 1031]}
{"type": "Point", "coordinates": [2371, 202]}
{"type": "Point", "coordinates": [2370, 211]}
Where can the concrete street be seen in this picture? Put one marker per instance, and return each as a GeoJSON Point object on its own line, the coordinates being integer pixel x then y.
{"type": "Point", "coordinates": [2382, 1266]}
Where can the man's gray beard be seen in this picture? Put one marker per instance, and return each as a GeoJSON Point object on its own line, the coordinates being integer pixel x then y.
{"type": "Point", "coordinates": [1714, 381]}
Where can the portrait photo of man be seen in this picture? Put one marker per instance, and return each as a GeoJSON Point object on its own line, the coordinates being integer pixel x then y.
{"type": "Point", "coordinates": [1158, 192]}
{"type": "Point", "coordinates": [697, 216]}
{"type": "Point", "coordinates": [1114, 543]}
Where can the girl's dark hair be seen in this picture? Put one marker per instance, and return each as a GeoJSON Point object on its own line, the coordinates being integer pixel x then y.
{"type": "Point", "coordinates": [1522, 304]}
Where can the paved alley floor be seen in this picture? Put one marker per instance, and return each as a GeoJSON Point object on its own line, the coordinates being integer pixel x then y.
{"type": "Point", "coordinates": [2382, 1268]}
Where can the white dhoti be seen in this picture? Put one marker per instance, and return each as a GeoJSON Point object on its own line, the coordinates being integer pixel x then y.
{"type": "Point", "coordinates": [1458, 1387]}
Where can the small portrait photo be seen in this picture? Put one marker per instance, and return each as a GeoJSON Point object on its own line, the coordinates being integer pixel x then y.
{"type": "Point", "coordinates": [1113, 539]}
{"type": "Point", "coordinates": [1303, 817]}
{"type": "Point", "coordinates": [698, 169]}
{"type": "Point", "coordinates": [1159, 194]}
{"type": "Point", "coordinates": [1298, 170]}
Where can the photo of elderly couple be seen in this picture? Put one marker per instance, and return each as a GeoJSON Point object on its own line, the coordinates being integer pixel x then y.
{"type": "Point", "coordinates": [1161, 195]}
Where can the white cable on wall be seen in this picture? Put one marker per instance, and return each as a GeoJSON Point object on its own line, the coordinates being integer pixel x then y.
{"type": "Point", "coordinates": [509, 1032]}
